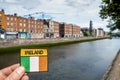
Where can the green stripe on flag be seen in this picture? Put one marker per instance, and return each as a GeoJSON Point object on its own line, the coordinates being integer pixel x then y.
{"type": "Point", "coordinates": [25, 61]}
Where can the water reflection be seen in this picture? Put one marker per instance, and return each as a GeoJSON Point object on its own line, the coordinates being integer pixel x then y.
{"type": "Point", "coordinates": [84, 61]}
{"type": "Point", "coordinates": [81, 61]}
{"type": "Point", "coordinates": [8, 59]}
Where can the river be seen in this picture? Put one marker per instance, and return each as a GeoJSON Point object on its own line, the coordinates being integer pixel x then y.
{"type": "Point", "coordinates": [79, 61]}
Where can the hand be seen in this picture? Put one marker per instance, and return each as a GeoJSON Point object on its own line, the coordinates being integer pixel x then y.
{"type": "Point", "coordinates": [14, 72]}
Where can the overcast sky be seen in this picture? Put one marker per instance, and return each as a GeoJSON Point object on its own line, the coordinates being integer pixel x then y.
{"type": "Point", "coordinates": [78, 12]}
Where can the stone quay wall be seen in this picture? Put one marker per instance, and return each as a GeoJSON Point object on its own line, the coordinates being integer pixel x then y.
{"type": "Point", "coordinates": [18, 42]}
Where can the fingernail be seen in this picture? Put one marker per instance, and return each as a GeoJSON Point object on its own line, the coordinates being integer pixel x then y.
{"type": "Point", "coordinates": [20, 70]}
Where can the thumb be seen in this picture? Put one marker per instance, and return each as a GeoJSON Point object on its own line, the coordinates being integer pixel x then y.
{"type": "Point", "coordinates": [17, 74]}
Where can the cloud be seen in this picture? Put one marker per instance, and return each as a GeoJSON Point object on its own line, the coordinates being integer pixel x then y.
{"type": "Point", "coordinates": [27, 4]}
{"type": "Point", "coordinates": [79, 3]}
{"type": "Point", "coordinates": [10, 1]}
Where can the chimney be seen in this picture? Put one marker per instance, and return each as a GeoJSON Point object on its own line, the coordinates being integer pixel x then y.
{"type": "Point", "coordinates": [15, 14]}
{"type": "Point", "coordinates": [2, 10]}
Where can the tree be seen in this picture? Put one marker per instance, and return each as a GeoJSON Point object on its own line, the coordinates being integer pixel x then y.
{"type": "Point", "coordinates": [110, 9]}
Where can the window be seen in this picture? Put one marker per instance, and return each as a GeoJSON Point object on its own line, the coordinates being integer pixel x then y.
{"type": "Point", "coordinates": [7, 18]}
{"type": "Point", "coordinates": [24, 25]}
{"type": "Point", "coordinates": [11, 24]}
{"type": "Point", "coordinates": [20, 30]}
{"type": "Point", "coordinates": [12, 29]}
{"type": "Point", "coordinates": [20, 24]}
{"type": "Point", "coordinates": [20, 20]}
{"type": "Point", "coordinates": [11, 18]}
{"type": "Point", "coordinates": [24, 30]}
{"type": "Point", "coordinates": [8, 23]}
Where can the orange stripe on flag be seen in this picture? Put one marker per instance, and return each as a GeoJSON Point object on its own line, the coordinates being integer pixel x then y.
{"type": "Point", "coordinates": [43, 63]}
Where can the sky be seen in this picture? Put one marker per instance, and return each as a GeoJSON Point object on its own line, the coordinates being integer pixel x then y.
{"type": "Point", "coordinates": [78, 12]}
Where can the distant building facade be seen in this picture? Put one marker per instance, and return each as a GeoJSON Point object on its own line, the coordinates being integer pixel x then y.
{"type": "Point", "coordinates": [76, 31]}
{"type": "Point", "coordinates": [70, 31]}
{"type": "Point", "coordinates": [14, 23]}
{"type": "Point", "coordinates": [66, 30]}
{"type": "Point", "coordinates": [100, 32]}
{"type": "Point", "coordinates": [56, 29]}
{"type": "Point", "coordinates": [48, 29]}
{"type": "Point", "coordinates": [14, 26]}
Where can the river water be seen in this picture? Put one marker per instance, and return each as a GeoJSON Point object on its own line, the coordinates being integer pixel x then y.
{"type": "Point", "coordinates": [79, 61]}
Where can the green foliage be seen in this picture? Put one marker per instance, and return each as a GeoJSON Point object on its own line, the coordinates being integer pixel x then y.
{"type": "Point", "coordinates": [110, 9]}
{"type": "Point", "coordinates": [110, 33]}
{"type": "Point", "coordinates": [118, 34]}
{"type": "Point", "coordinates": [88, 33]}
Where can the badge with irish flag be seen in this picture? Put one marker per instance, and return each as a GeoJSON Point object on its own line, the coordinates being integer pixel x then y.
{"type": "Point", "coordinates": [34, 60]}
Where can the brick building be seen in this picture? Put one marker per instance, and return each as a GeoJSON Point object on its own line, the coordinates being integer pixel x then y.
{"type": "Point", "coordinates": [76, 31]}
{"type": "Point", "coordinates": [48, 28]}
{"type": "Point", "coordinates": [65, 30]}
{"type": "Point", "coordinates": [70, 31]}
{"type": "Point", "coordinates": [56, 29]}
{"type": "Point", "coordinates": [20, 27]}
{"type": "Point", "coordinates": [2, 19]}
{"type": "Point", "coordinates": [14, 23]}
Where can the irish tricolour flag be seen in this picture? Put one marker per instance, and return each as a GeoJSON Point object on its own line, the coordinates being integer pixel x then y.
{"type": "Point", "coordinates": [34, 60]}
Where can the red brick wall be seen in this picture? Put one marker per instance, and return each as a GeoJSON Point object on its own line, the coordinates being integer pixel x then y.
{"type": "Point", "coordinates": [76, 29]}
{"type": "Point", "coordinates": [68, 28]}
{"type": "Point", "coordinates": [17, 23]}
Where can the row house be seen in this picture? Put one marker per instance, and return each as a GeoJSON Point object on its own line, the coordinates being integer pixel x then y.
{"type": "Point", "coordinates": [76, 31]}
{"type": "Point", "coordinates": [70, 31]}
{"type": "Point", "coordinates": [98, 32]}
{"type": "Point", "coordinates": [56, 29]}
{"type": "Point", "coordinates": [36, 28]}
{"type": "Point", "coordinates": [13, 24]}
{"type": "Point", "coordinates": [20, 27]}
{"type": "Point", "coordinates": [51, 29]}
{"type": "Point", "coordinates": [65, 30]}
{"type": "Point", "coordinates": [48, 28]}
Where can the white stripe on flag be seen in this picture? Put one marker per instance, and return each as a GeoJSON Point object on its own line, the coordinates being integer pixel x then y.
{"type": "Point", "coordinates": [34, 64]}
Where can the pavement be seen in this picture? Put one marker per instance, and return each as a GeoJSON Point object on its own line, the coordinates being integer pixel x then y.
{"type": "Point", "coordinates": [113, 72]}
